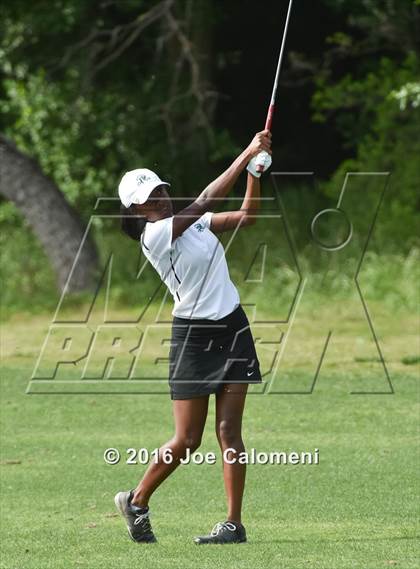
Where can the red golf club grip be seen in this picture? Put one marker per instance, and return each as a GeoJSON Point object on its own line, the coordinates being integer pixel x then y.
{"type": "Point", "coordinates": [268, 123]}
{"type": "Point", "coordinates": [270, 115]}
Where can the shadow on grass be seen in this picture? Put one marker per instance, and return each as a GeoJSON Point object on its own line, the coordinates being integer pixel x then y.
{"type": "Point", "coordinates": [343, 540]}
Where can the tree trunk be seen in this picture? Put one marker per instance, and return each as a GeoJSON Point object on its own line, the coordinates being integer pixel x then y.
{"type": "Point", "coordinates": [52, 219]}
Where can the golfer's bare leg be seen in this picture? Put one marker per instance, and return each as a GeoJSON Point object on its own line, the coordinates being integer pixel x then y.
{"type": "Point", "coordinates": [230, 404]}
{"type": "Point", "coordinates": [190, 418]}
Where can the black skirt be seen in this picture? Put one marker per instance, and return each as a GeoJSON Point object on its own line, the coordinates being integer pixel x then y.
{"type": "Point", "coordinates": [206, 354]}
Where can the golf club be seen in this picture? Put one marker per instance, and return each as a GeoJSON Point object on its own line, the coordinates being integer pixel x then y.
{"type": "Point", "coordinates": [271, 108]}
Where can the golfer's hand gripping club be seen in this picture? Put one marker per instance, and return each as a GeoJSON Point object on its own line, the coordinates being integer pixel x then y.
{"type": "Point", "coordinates": [261, 165]}
{"type": "Point", "coordinates": [260, 149]}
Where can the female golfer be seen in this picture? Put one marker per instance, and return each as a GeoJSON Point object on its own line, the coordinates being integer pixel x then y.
{"type": "Point", "coordinates": [212, 349]}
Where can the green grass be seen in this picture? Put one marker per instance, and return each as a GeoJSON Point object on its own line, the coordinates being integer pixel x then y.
{"type": "Point", "coordinates": [356, 509]}
{"type": "Point", "coordinates": [271, 277]}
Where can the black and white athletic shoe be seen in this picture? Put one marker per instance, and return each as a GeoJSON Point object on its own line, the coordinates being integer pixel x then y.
{"type": "Point", "coordinates": [137, 519]}
{"type": "Point", "coordinates": [223, 532]}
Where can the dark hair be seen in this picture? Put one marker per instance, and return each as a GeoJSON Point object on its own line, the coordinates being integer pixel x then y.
{"type": "Point", "coordinates": [132, 224]}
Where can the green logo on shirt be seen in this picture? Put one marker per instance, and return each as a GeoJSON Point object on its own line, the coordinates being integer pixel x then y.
{"type": "Point", "coordinates": [199, 227]}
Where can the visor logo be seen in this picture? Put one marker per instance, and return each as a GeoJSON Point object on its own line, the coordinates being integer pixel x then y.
{"type": "Point", "coordinates": [141, 178]}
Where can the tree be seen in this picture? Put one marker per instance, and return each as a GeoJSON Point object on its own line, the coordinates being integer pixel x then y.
{"type": "Point", "coordinates": [89, 91]}
{"type": "Point", "coordinates": [111, 87]}
{"type": "Point", "coordinates": [52, 219]}
{"type": "Point", "coordinates": [367, 87]}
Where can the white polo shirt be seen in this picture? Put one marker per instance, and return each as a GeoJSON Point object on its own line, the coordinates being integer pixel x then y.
{"type": "Point", "coordinates": [193, 268]}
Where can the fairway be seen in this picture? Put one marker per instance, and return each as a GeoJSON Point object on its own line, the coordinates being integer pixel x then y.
{"type": "Point", "coordinates": [356, 508]}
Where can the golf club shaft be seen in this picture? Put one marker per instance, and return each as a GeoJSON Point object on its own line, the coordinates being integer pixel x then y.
{"type": "Point", "coordinates": [271, 108]}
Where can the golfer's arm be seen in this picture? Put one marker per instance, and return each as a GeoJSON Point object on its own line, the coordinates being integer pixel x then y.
{"type": "Point", "coordinates": [221, 186]}
{"type": "Point", "coordinates": [210, 196]}
{"type": "Point", "coordinates": [251, 203]}
{"type": "Point", "coordinates": [246, 215]}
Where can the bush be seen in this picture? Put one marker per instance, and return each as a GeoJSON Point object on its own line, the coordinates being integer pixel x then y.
{"type": "Point", "coordinates": [379, 115]}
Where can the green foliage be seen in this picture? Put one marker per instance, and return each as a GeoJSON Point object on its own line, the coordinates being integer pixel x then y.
{"type": "Point", "coordinates": [80, 142]}
{"type": "Point", "coordinates": [378, 116]}
{"type": "Point", "coordinates": [411, 360]}
{"type": "Point", "coordinates": [86, 126]}
{"type": "Point", "coordinates": [29, 283]}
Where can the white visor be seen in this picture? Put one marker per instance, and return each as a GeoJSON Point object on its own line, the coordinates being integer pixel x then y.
{"type": "Point", "coordinates": [137, 185]}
